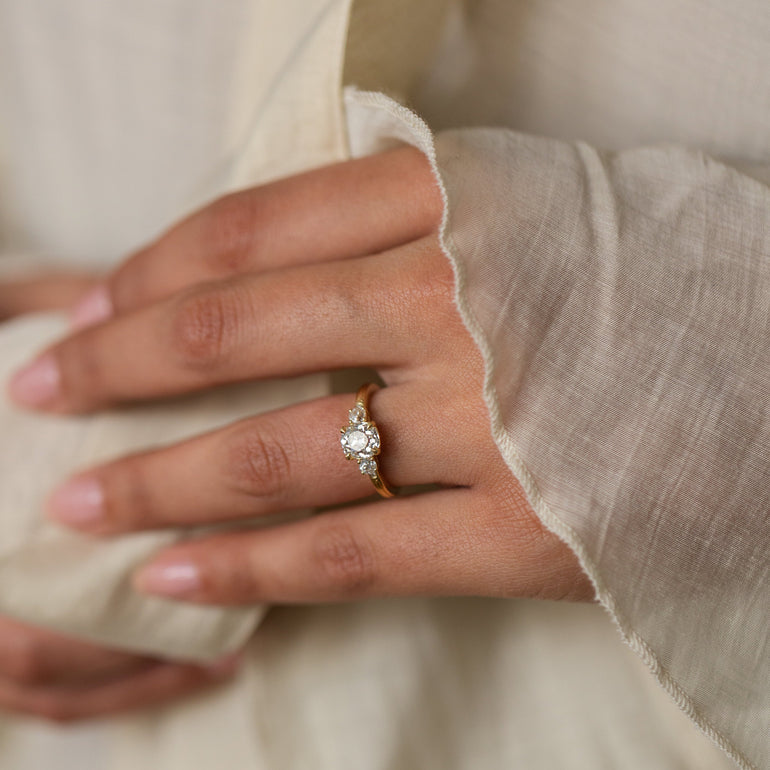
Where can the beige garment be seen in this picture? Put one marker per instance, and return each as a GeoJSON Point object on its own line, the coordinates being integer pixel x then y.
{"type": "Point", "coordinates": [117, 121]}
{"type": "Point", "coordinates": [417, 684]}
{"type": "Point", "coordinates": [52, 184]}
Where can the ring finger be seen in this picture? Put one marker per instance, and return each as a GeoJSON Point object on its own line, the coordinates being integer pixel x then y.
{"type": "Point", "coordinates": [280, 461]}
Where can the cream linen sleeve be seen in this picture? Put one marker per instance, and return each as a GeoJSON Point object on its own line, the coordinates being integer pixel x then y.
{"type": "Point", "coordinates": [622, 305]}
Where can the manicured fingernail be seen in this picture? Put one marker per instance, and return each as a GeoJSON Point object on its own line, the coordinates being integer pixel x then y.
{"type": "Point", "coordinates": [93, 308]}
{"type": "Point", "coordinates": [169, 579]}
{"type": "Point", "coordinates": [37, 383]}
{"type": "Point", "coordinates": [78, 502]}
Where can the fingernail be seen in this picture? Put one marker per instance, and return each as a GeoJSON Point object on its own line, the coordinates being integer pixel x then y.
{"type": "Point", "coordinates": [93, 308]}
{"type": "Point", "coordinates": [78, 502]}
{"type": "Point", "coordinates": [37, 383]}
{"type": "Point", "coordinates": [169, 579]}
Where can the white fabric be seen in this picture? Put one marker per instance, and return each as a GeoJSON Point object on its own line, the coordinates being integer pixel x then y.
{"type": "Point", "coordinates": [116, 118]}
{"type": "Point", "coordinates": [117, 121]}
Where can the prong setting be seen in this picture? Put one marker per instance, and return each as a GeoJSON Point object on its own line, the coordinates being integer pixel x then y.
{"type": "Point", "coordinates": [360, 440]}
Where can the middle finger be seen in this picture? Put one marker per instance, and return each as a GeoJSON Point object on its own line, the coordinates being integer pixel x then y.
{"type": "Point", "coordinates": [359, 312]}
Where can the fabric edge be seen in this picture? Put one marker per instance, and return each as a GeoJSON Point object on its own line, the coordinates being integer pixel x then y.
{"type": "Point", "coordinates": [422, 137]}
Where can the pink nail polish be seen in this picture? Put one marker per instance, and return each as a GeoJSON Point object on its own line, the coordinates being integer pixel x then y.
{"type": "Point", "coordinates": [174, 579]}
{"type": "Point", "coordinates": [93, 308]}
{"type": "Point", "coordinates": [37, 383]}
{"type": "Point", "coordinates": [78, 502]}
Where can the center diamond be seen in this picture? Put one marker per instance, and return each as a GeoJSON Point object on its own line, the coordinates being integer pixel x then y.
{"type": "Point", "coordinates": [360, 441]}
{"type": "Point", "coordinates": [357, 440]}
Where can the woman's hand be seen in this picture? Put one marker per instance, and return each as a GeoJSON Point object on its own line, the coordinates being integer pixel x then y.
{"type": "Point", "coordinates": [48, 675]}
{"type": "Point", "coordinates": [339, 267]}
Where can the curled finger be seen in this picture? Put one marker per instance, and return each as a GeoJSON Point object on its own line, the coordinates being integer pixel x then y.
{"type": "Point", "coordinates": [36, 656]}
{"type": "Point", "coordinates": [158, 684]}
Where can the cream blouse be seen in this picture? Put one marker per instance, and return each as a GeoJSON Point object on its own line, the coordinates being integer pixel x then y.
{"type": "Point", "coordinates": [604, 166]}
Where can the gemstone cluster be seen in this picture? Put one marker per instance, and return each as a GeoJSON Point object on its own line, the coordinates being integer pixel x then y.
{"type": "Point", "coordinates": [361, 441]}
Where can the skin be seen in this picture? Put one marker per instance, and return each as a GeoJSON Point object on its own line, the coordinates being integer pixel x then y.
{"type": "Point", "coordinates": [50, 291]}
{"type": "Point", "coordinates": [334, 268]}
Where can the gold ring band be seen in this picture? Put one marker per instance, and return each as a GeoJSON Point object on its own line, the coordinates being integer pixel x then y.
{"type": "Point", "coordinates": [361, 440]}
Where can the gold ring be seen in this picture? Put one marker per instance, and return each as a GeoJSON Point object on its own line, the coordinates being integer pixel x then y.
{"type": "Point", "coordinates": [361, 440]}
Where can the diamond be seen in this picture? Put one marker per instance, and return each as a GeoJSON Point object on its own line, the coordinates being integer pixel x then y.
{"type": "Point", "coordinates": [368, 467]}
{"type": "Point", "coordinates": [357, 440]}
{"type": "Point", "coordinates": [361, 442]}
{"type": "Point", "coordinates": [357, 414]}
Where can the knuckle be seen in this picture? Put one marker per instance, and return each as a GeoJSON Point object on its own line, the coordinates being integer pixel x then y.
{"type": "Point", "coordinates": [130, 283]}
{"type": "Point", "coordinates": [432, 287]}
{"type": "Point", "coordinates": [422, 296]}
{"type": "Point", "coordinates": [343, 296]}
{"type": "Point", "coordinates": [84, 376]}
{"type": "Point", "coordinates": [260, 462]}
{"type": "Point", "coordinates": [511, 520]}
{"type": "Point", "coordinates": [531, 560]}
{"type": "Point", "coordinates": [341, 299]}
{"type": "Point", "coordinates": [229, 230]}
{"type": "Point", "coordinates": [203, 323]}
{"type": "Point", "coordinates": [345, 560]}
{"type": "Point", "coordinates": [518, 512]}
{"type": "Point", "coordinates": [128, 504]}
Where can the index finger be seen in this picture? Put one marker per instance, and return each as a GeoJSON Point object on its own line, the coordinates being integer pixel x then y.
{"type": "Point", "coordinates": [345, 210]}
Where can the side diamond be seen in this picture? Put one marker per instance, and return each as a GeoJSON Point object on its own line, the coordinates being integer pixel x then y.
{"type": "Point", "coordinates": [357, 414]}
{"type": "Point", "coordinates": [368, 467]}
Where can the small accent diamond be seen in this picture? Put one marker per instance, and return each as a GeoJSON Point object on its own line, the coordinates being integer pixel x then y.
{"type": "Point", "coordinates": [368, 467]}
{"type": "Point", "coordinates": [357, 414]}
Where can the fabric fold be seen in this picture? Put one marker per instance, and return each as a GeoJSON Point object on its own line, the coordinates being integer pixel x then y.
{"type": "Point", "coordinates": [94, 161]}
{"type": "Point", "coordinates": [79, 585]}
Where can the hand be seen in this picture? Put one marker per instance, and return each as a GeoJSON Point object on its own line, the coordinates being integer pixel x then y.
{"type": "Point", "coordinates": [60, 679]}
{"type": "Point", "coordinates": [335, 268]}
